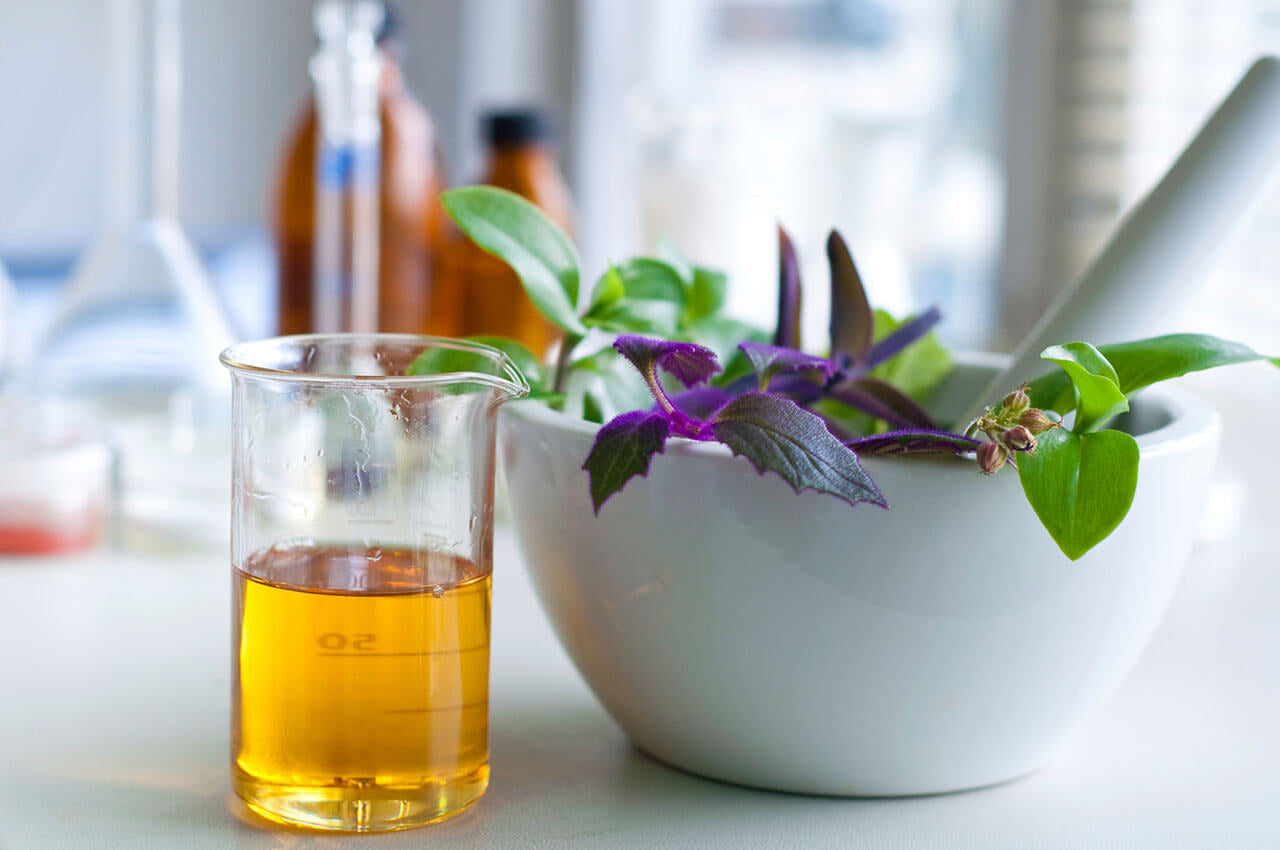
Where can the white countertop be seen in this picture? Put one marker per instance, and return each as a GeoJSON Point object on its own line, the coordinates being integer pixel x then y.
{"type": "Point", "coordinates": [113, 732]}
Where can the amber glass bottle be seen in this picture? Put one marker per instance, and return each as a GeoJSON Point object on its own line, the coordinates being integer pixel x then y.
{"type": "Point", "coordinates": [485, 293]}
{"type": "Point", "coordinates": [411, 219]}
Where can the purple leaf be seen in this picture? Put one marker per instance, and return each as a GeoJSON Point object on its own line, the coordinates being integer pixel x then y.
{"type": "Point", "coordinates": [777, 435]}
{"type": "Point", "coordinates": [622, 450]}
{"type": "Point", "coordinates": [684, 425]}
{"type": "Point", "coordinates": [690, 363]}
{"type": "Point", "coordinates": [796, 387]}
{"type": "Point", "coordinates": [789, 293]}
{"type": "Point", "coordinates": [852, 322]}
{"type": "Point", "coordinates": [914, 442]}
{"type": "Point", "coordinates": [883, 401]}
{"type": "Point", "coordinates": [702, 402]}
{"type": "Point", "coordinates": [770, 360]}
{"type": "Point", "coordinates": [908, 333]}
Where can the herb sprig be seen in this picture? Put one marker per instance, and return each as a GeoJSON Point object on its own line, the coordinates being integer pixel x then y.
{"type": "Point", "coordinates": [771, 431]}
{"type": "Point", "coordinates": [802, 416]}
{"type": "Point", "coordinates": [667, 298]}
{"type": "Point", "coordinates": [1080, 481]}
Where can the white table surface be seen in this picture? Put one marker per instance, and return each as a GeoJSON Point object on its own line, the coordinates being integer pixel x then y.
{"type": "Point", "coordinates": [114, 713]}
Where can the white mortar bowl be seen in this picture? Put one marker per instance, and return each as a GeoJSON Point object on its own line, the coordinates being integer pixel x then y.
{"type": "Point", "coordinates": [741, 631]}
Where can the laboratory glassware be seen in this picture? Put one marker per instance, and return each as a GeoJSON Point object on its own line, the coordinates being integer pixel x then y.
{"type": "Point", "coordinates": [139, 316]}
{"type": "Point", "coordinates": [135, 339]}
{"type": "Point", "coordinates": [55, 474]}
{"type": "Point", "coordinates": [362, 519]}
{"type": "Point", "coordinates": [55, 478]}
{"type": "Point", "coordinates": [311, 222]}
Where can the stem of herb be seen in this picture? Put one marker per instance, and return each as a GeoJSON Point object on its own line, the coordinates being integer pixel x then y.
{"type": "Point", "coordinates": [567, 345]}
{"type": "Point", "coordinates": [651, 378]}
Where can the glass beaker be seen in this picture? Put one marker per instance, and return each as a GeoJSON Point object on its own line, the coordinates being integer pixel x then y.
{"type": "Point", "coordinates": [361, 547]}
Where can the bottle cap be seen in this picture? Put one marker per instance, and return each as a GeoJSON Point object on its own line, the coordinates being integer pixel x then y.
{"type": "Point", "coordinates": [515, 127]}
{"type": "Point", "coordinates": [389, 30]}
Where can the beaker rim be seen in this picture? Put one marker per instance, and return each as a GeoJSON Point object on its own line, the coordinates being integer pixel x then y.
{"type": "Point", "coordinates": [254, 359]}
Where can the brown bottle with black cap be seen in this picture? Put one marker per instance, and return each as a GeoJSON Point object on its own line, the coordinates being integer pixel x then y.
{"type": "Point", "coordinates": [487, 295]}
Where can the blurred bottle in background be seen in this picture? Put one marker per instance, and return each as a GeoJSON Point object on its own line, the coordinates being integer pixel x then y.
{"type": "Point", "coordinates": [367, 238]}
{"type": "Point", "coordinates": [478, 294]}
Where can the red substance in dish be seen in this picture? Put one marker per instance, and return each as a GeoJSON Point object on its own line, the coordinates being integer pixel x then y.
{"type": "Point", "coordinates": [29, 539]}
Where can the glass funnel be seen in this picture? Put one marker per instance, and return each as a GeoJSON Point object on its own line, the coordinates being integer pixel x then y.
{"type": "Point", "coordinates": [135, 339]}
{"type": "Point", "coordinates": [139, 317]}
{"type": "Point", "coordinates": [361, 551]}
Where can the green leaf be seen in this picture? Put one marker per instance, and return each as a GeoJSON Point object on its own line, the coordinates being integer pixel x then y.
{"type": "Point", "coordinates": [1144, 362]}
{"type": "Point", "coordinates": [651, 299]}
{"type": "Point", "coordinates": [736, 368]}
{"type": "Point", "coordinates": [596, 361]}
{"type": "Point", "coordinates": [517, 232]}
{"type": "Point", "coordinates": [632, 316]}
{"type": "Point", "coordinates": [1080, 485]}
{"type": "Point", "coordinates": [592, 410]}
{"type": "Point", "coordinates": [1098, 395]}
{"type": "Point", "coordinates": [650, 280]}
{"type": "Point", "coordinates": [706, 296]}
{"type": "Point", "coordinates": [1149, 361]}
{"type": "Point", "coordinates": [622, 450]}
{"type": "Point", "coordinates": [777, 435]}
{"type": "Point", "coordinates": [608, 290]}
{"type": "Point", "coordinates": [920, 368]}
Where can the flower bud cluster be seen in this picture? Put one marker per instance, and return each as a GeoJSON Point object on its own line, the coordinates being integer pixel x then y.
{"type": "Point", "coordinates": [1018, 439]}
{"type": "Point", "coordinates": [992, 458]}
{"type": "Point", "coordinates": [1011, 426]}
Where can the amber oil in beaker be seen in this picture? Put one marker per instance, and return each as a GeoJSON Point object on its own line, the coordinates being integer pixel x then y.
{"type": "Point", "coordinates": [360, 699]}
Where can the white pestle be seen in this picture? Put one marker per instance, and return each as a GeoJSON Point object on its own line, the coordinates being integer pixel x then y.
{"type": "Point", "coordinates": [1159, 254]}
